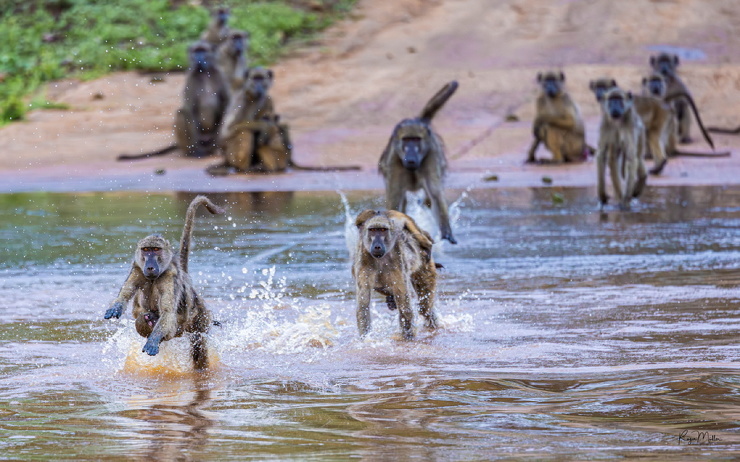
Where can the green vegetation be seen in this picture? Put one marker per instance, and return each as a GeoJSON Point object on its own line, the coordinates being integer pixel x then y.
{"type": "Point", "coordinates": [42, 40]}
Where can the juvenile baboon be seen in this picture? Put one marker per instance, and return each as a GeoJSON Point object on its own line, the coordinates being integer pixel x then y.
{"type": "Point", "coordinates": [165, 302]}
{"type": "Point", "coordinates": [622, 147]}
{"type": "Point", "coordinates": [677, 92]}
{"type": "Point", "coordinates": [656, 117]}
{"type": "Point", "coordinates": [392, 257]}
{"type": "Point", "coordinates": [415, 159]}
{"type": "Point", "coordinates": [198, 121]}
{"type": "Point", "coordinates": [557, 123]}
{"type": "Point", "coordinates": [218, 30]}
{"type": "Point", "coordinates": [231, 59]}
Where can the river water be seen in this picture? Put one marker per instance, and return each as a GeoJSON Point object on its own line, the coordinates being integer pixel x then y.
{"type": "Point", "coordinates": [566, 333]}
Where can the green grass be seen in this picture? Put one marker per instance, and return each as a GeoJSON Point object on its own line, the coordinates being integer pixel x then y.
{"type": "Point", "coordinates": [43, 40]}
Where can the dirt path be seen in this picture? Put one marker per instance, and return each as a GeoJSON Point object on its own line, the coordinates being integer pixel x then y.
{"type": "Point", "coordinates": [343, 95]}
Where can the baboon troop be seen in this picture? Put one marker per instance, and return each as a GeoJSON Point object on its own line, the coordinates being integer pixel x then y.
{"type": "Point", "coordinates": [165, 303]}
{"type": "Point", "coordinates": [622, 146]}
{"type": "Point", "coordinates": [415, 159]}
{"type": "Point", "coordinates": [557, 123]}
{"type": "Point", "coordinates": [394, 257]}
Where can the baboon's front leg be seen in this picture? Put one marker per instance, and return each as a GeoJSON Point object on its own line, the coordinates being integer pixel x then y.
{"type": "Point", "coordinates": [405, 312]}
{"type": "Point", "coordinates": [364, 288]}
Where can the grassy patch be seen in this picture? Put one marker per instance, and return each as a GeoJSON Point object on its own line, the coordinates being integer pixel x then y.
{"type": "Point", "coordinates": [43, 40]}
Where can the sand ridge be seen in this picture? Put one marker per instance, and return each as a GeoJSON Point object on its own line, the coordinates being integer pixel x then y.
{"type": "Point", "coordinates": [344, 93]}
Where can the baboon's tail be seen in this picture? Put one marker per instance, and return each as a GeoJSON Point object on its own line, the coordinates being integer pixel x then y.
{"type": "Point", "coordinates": [146, 155]}
{"type": "Point", "coordinates": [727, 131]}
{"type": "Point", "coordinates": [187, 231]}
{"type": "Point", "coordinates": [337, 168]}
{"type": "Point", "coordinates": [696, 114]}
{"type": "Point", "coordinates": [437, 101]}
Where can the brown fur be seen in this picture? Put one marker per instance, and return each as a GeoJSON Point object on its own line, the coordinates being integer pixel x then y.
{"type": "Point", "coordinates": [557, 123]}
{"type": "Point", "coordinates": [165, 302]}
{"type": "Point", "coordinates": [406, 263]}
{"type": "Point", "coordinates": [231, 59]}
{"type": "Point", "coordinates": [678, 94]}
{"type": "Point", "coordinates": [415, 159]}
{"type": "Point", "coordinates": [217, 31]}
{"type": "Point", "coordinates": [198, 120]}
{"type": "Point", "coordinates": [656, 116]}
{"type": "Point", "coordinates": [622, 146]}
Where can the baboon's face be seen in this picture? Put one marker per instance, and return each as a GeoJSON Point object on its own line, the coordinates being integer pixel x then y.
{"type": "Point", "coordinates": [258, 81]}
{"type": "Point", "coordinates": [617, 103]}
{"type": "Point", "coordinates": [552, 83]}
{"type": "Point", "coordinates": [201, 57]}
{"type": "Point", "coordinates": [412, 144]}
{"type": "Point", "coordinates": [239, 42]}
{"type": "Point", "coordinates": [153, 256]}
{"type": "Point", "coordinates": [655, 86]}
{"type": "Point", "coordinates": [664, 63]}
{"type": "Point", "coordinates": [601, 86]}
{"type": "Point", "coordinates": [377, 235]}
{"type": "Point", "coordinates": [222, 16]}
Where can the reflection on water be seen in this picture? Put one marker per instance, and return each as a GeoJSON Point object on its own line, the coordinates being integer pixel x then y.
{"type": "Point", "coordinates": [567, 333]}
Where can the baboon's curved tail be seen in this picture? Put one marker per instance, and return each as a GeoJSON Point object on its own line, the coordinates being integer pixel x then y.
{"type": "Point", "coordinates": [187, 231]}
{"type": "Point", "coordinates": [696, 115]}
{"type": "Point", "coordinates": [437, 101]}
{"type": "Point", "coordinates": [146, 155]}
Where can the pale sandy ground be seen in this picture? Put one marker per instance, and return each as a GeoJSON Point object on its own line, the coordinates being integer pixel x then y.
{"type": "Point", "coordinates": [343, 95]}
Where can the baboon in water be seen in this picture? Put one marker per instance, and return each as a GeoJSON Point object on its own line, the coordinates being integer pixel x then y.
{"type": "Point", "coordinates": [415, 159]}
{"type": "Point", "coordinates": [217, 31]}
{"type": "Point", "coordinates": [231, 59]}
{"type": "Point", "coordinates": [394, 256]}
{"type": "Point", "coordinates": [677, 92]}
{"type": "Point", "coordinates": [199, 119]}
{"type": "Point", "coordinates": [622, 147]}
{"type": "Point", "coordinates": [557, 123]}
{"type": "Point", "coordinates": [165, 302]}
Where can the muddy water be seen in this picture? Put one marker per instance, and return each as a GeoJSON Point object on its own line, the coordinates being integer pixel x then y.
{"type": "Point", "coordinates": [567, 333]}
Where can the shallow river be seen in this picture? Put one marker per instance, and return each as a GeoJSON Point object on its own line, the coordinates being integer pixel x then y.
{"type": "Point", "coordinates": [566, 333]}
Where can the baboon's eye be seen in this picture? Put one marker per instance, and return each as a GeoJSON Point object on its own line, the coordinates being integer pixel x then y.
{"type": "Point", "coordinates": [155, 249]}
{"type": "Point", "coordinates": [378, 230]}
{"type": "Point", "coordinates": [145, 249]}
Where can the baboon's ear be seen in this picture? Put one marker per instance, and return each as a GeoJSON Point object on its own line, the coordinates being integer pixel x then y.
{"type": "Point", "coordinates": [562, 77]}
{"type": "Point", "coordinates": [539, 76]}
{"type": "Point", "coordinates": [675, 60]}
{"type": "Point", "coordinates": [270, 73]}
{"type": "Point", "coordinates": [613, 83]}
{"type": "Point", "coordinates": [629, 95]}
{"type": "Point", "coordinates": [652, 60]}
{"type": "Point", "coordinates": [644, 81]}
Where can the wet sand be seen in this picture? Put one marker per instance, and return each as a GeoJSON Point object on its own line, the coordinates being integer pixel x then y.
{"type": "Point", "coordinates": [343, 94]}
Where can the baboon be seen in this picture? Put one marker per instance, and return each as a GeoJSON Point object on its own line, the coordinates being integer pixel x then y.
{"type": "Point", "coordinates": [165, 302]}
{"type": "Point", "coordinates": [558, 123]}
{"type": "Point", "coordinates": [666, 64]}
{"type": "Point", "coordinates": [393, 255]}
{"type": "Point", "coordinates": [622, 146]}
{"type": "Point", "coordinates": [218, 30]}
{"type": "Point", "coordinates": [415, 159]}
{"type": "Point", "coordinates": [231, 59]}
{"type": "Point", "coordinates": [198, 121]}
{"type": "Point", "coordinates": [656, 117]}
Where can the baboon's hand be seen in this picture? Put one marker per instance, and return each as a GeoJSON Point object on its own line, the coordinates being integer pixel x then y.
{"type": "Point", "coordinates": [151, 347]}
{"type": "Point", "coordinates": [114, 311]}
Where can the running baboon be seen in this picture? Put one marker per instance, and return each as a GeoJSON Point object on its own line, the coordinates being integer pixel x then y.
{"type": "Point", "coordinates": [415, 159]}
{"type": "Point", "coordinates": [218, 30]}
{"type": "Point", "coordinates": [622, 147]}
{"type": "Point", "coordinates": [165, 302]}
{"type": "Point", "coordinates": [231, 59]}
{"type": "Point", "coordinates": [558, 123]}
{"type": "Point", "coordinates": [677, 92]}
{"type": "Point", "coordinates": [198, 121]}
{"type": "Point", "coordinates": [392, 257]}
